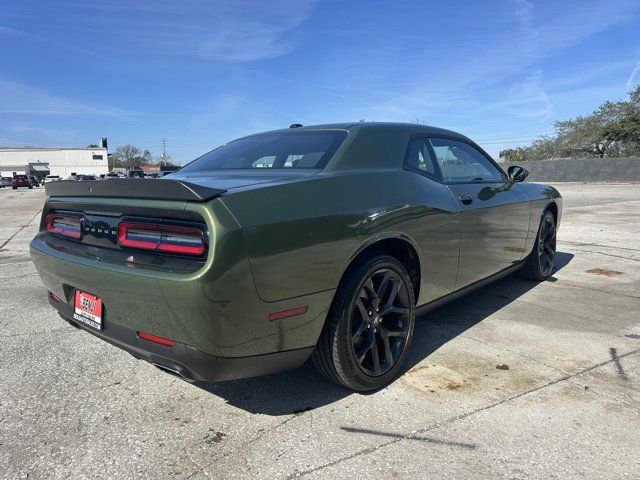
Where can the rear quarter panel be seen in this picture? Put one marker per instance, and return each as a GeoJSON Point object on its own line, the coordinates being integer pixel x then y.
{"type": "Point", "coordinates": [301, 236]}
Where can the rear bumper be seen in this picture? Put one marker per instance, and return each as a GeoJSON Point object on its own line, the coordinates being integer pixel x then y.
{"type": "Point", "coordinates": [187, 361]}
{"type": "Point", "coordinates": [215, 310]}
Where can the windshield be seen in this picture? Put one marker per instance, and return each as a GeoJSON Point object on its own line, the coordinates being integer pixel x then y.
{"type": "Point", "coordinates": [306, 149]}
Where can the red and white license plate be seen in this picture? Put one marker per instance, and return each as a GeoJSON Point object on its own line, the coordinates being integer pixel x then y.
{"type": "Point", "coordinates": [88, 310]}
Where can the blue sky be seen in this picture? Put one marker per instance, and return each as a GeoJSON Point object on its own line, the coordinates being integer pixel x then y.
{"type": "Point", "coordinates": [202, 73]}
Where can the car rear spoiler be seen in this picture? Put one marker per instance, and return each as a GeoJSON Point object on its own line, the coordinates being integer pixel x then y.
{"type": "Point", "coordinates": [149, 188]}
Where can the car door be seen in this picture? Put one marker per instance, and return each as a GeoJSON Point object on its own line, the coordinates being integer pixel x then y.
{"type": "Point", "coordinates": [437, 232]}
{"type": "Point", "coordinates": [494, 218]}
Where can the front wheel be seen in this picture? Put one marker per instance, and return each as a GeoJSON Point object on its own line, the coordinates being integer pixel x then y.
{"type": "Point", "coordinates": [539, 264]}
{"type": "Point", "coordinates": [369, 327]}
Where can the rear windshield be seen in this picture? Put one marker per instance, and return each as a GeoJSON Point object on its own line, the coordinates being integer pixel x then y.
{"type": "Point", "coordinates": [307, 149]}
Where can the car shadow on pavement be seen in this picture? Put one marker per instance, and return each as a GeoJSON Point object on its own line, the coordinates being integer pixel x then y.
{"type": "Point", "coordinates": [455, 318]}
{"type": "Point", "coordinates": [303, 389]}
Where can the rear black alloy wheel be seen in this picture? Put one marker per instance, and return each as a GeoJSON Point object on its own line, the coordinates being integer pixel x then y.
{"type": "Point", "coordinates": [539, 265]}
{"type": "Point", "coordinates": [380, 322]}
{"type": "Point", "coordinates": [369, 327]}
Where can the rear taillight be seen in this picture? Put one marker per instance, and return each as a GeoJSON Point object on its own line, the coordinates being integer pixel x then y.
{"type": "Point", "coordinates": [163, 238]}
{"type": "Point", "coordinates": [66, 225]}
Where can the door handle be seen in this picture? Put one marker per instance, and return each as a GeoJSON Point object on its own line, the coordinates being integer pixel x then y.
{"type": "Point", "coordinates": [466, 199]}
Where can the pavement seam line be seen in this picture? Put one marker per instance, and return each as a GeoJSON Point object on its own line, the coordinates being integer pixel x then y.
{"type": "Point", "coordinates": [569, 207]}
{"type": "Point", "coordinates": [607, 254]}
{"type": "Point", "coordinates": [597, 391]}
{"type": "Point", "coordinates": [242, 446]}
{"type": "Point", "coordinates": [251, 441]}
{"type": "Point", "coordinates": [462, 416]}
{"type": "Point", "coordinates": [565, 283]}
{"type": "Point", "coordinates": [22, 227]}
{"type": "Point", "coordinates": [505, 349]}
{"type": "Point", "coordinates": [519, 354]}
{"type": "Point", "coordinates": [40, 332]}
{"type": "Point", "coordinates": [580, 244]}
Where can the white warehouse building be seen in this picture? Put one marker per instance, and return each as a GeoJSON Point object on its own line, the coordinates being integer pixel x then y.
{"type": "Point", "coordinates": [53, 161]}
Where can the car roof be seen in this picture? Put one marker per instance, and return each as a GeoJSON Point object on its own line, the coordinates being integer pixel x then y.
{"type": "Point", "coordinates": [409, 128]}
{"type": "Point", "coordinates": [371, 145]}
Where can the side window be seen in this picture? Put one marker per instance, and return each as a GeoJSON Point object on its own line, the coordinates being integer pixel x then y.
{"type": "Point", "coordinates": [419, 158]}
{"type": "Point", "coordinates": [460, 162]}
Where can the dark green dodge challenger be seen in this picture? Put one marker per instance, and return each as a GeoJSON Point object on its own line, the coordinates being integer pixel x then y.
{"type": "Point", "coordinates": [317, 241]}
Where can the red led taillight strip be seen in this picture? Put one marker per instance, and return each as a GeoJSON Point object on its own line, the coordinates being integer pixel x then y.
{"type": "Point", "coordinates": [66, 225]}
{"type": "Point", "coordinates": [163, 238]}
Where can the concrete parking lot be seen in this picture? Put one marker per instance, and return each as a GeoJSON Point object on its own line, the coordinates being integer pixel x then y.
{"type": "Point", "coordinates": [516, 380]}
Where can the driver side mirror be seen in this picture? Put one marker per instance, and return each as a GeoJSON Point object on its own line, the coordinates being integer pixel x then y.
{"type": "Point", "coordinates": [517, 173]}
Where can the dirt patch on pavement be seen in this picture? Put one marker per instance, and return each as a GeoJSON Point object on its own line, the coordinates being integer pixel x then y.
{"type": "Point", "coordinates": [605, 272]}
{"type": "Point", "coordinates": [431, 378]}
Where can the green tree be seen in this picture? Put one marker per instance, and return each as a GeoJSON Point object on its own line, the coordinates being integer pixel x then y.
{"type": "Point", "coordinates": [512, 154]}
{"type": "Point", "coordinates": [611, 130]}
{"type": "Point", "coordinates": [624, 125]}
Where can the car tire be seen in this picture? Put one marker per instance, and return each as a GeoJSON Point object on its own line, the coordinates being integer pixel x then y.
{"type": "Point", "coordinates": [369, 328]}
{"type": "Point", "coordinates": [540, 262]}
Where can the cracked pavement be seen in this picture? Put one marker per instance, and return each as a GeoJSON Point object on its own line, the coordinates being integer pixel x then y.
{"type": "Point", "coordinates": [564, 402]}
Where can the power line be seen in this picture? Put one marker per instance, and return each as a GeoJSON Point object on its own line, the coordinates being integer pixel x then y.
{"type": "Point", "coordinates": [506, 143]}
{"type": "Point", "coordinates": [513, 138]}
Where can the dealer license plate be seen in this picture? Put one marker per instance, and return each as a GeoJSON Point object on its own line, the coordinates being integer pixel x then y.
{"type": "Point", "coordinates": [88, 310]}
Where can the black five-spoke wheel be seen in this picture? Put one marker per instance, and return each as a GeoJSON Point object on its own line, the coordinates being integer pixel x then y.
{"type": "Point", "coordinates": [369, 328]}
{"type": "Point", "coordinates": [547, 245]}
{"type": "Point", "coordinates": [539, 264]}
{"type": "Point", "coordinates": [379, 322]}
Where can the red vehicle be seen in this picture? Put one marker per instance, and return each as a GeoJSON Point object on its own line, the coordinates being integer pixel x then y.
{"type": "Point", "coordinates": [21, 181]}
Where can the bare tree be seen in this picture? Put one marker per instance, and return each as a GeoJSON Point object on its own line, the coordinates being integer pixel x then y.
{"type": "Point", "coordinates": [129, 156]}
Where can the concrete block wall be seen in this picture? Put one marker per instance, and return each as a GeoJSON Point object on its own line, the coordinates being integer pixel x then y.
{"type": "Point", "coordinates": [626, 169]}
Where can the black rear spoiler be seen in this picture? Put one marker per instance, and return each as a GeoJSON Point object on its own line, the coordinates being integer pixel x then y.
{"type": "Point", "coordinates": [149, 188]}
